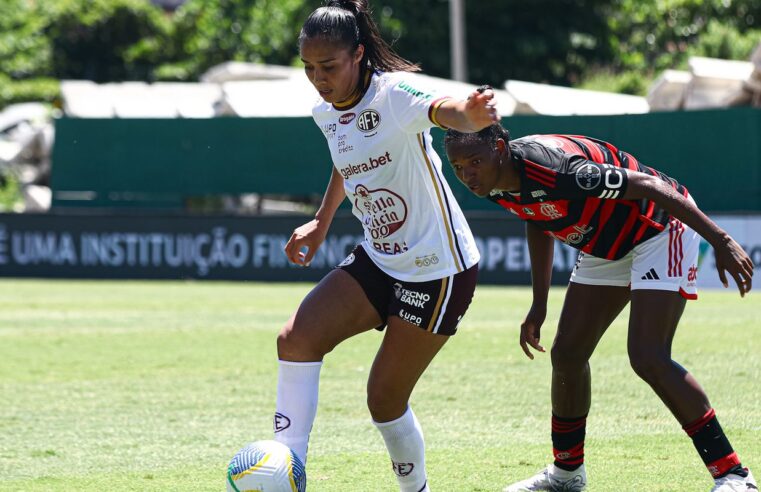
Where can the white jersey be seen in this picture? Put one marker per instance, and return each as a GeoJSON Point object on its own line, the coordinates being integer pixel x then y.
{"type": "Point", "coordinates": [414, 228]}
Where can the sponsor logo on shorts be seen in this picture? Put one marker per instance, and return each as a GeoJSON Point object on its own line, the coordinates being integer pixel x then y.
{"type": "Point", "coordinates": [588, 177]}
{"type": "Point", "coordinates": [411, 297]}
{"type": "Point", "coordinates": [281, 422]}
{"type": "Point", "coordinates": [347, 118]}
{"type": "Point", "coordinates": [398, 290]}
{"type": "Point", "coordinates": [348, 260]}
{"type": "Point", "coordinates": [368, 120]}
{"type": "Point", "coordinates": [651, 275]}
{"type": "Point", "coordinates": [402, 469]}
{"type": "Point", "coordinates": [692, 274]}
{"type": "Point", "coordinates": [410, 318]}
{"type": "Point", "coordinates": [424, 261]}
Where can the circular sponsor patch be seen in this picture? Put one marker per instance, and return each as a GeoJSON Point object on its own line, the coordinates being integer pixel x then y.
{"type": "Point", "coordinates": [588, 177]}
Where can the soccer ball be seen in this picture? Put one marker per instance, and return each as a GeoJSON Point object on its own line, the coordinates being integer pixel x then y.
{"type": "Point", "coordinates": [266, 466]}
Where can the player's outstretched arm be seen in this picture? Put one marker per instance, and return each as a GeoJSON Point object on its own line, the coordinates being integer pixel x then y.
{"type": "Point", "coordinates": [541, 251]}
{"type": "Point", "coordinates": [306, 239]}
{"type": "Point", "coordinates": [470, 115]}
{"type": "Point", "coordinates": [730, 256]}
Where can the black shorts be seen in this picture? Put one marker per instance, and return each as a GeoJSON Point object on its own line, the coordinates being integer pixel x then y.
{"type": "Point", "coordinates": [436, 306]}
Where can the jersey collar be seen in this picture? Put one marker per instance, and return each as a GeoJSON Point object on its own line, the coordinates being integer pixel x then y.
{"type": "Point", "coordinates": [347, 105]}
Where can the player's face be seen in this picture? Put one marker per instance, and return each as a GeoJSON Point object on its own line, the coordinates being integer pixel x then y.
{"type": "Point", "coordinates": [332, 69]}
{"type": "Point", "coordinates": [476, 165]}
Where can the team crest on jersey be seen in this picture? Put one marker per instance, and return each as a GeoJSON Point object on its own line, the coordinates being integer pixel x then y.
{"type": "Point", "coordinates": [588, 177]}
{"type": "Point", "coordinates": [368, 120]}
{"type": "Point", "coordinates": [549, 210]}
{"type": "Point", "coordinates": [347, 118]}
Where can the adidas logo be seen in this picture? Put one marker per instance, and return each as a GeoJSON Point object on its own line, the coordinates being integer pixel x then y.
{"type": "Point", "coordinates": [651, 275]}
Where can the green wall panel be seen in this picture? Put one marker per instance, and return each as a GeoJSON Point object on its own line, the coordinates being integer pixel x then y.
{"type": "Point", "coordinates": [128, 162]}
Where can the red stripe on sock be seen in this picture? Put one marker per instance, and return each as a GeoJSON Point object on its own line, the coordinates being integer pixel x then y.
{"type": "Point", "coordinates": [723, 465]}
{"type": "Point", "coordinates": [573, 456]}
{"type": "Point", "coordinates": [693, 427]}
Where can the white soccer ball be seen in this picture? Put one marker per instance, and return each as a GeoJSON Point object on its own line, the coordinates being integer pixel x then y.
{"type": "Point", "coordinates": [266, 466]}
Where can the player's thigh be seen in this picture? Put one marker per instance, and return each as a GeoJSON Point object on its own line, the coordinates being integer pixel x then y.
{"type": "Point", "coordinates": [336, 309]}
{"type": "Point", "coordinates": [402, 358]}
{"type": "Point", "coordinates": [653, 320]}
{"type": "Point", "coordinates": [588, 310]}
{"type": "Point", "coordinates": [664, 274]}
{"type": "Point", "coordinates": [423, 315]}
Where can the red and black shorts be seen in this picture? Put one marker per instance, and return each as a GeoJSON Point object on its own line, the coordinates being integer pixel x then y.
{"type": "Point", "coordinates": [436, 306]}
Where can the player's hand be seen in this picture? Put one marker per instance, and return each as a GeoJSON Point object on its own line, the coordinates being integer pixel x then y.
{"type": "Point", "coordinates": [531, 329]}
{"type": "Point", "coordinates": [481, 109]}
{"type": "Point", "coordinates": [732, 258]}
{"type": "Point", "coordinates": [304, 241]}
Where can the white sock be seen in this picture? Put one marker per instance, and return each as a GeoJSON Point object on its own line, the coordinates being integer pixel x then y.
{"type": "Point", "coordinates": [296, 407]}
{"type": "Point", "coordinates": [404, 440]}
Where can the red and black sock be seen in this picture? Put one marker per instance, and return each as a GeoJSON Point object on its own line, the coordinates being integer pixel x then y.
{"type": "Point", "coordinates": [713, 446]}
{"type": "Point", "coordinates": [568, 441]}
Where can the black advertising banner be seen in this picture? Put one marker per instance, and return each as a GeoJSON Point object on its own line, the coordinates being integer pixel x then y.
{"type": "Point", "coordinates": [221, 248]}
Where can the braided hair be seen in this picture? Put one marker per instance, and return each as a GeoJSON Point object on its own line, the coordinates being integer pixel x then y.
{"type": "Point", "coordinates": [488, 135]}
{"type": "Point", "coordinates": [349, 22]}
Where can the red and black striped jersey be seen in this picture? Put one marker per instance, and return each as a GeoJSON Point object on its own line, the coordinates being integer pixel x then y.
{"type": "Point", "coordinates": [571, 187]}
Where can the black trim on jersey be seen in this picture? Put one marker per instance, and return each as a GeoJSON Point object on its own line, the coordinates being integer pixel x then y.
{"type": "Point", "coordinates": [446, 201]}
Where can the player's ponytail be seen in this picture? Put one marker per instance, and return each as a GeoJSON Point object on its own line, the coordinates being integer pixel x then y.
{"type": "Point", "coordinates": [350, 22]}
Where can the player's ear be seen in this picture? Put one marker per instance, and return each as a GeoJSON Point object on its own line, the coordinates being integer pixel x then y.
{"type": "Point", "coordinates": [501, 146]}
{"type": "Point", "coordinates": [359, 53]}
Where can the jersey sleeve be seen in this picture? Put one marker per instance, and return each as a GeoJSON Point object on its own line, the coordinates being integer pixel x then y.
{"type": "Point", "coordinates": [579, 177]}
{"type": "Point", "coordinates": [415, 107]}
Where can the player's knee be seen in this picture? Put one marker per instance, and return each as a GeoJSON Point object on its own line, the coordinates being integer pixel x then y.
{"type": "Point", "coordinates": [384, 403]}
{"type": "Point", "coordinates": [567, 358]}
{"type": "Point", "coordinates": [296, 344]}
{"type": "Point", "coordinates": [649, 363]}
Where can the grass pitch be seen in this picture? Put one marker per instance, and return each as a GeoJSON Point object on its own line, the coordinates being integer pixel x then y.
{"type": "Point", "coordinates": [146, 386]}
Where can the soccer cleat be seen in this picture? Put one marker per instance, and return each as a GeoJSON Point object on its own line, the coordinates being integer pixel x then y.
{"type": "Point", "coordinates": [735, 483]}
{"type": "Point", "coordinates": [554, 479]}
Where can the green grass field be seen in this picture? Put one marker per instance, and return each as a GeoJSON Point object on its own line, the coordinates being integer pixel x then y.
{"type": "Point", "coordinates": [155, 385]}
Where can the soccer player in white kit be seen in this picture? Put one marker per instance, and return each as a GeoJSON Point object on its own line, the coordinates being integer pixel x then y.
{"type": "Point", "coordinates": [415, 271]}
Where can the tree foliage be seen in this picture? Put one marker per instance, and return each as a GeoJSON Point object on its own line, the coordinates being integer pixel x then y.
{"type": "Point", "coordinates": [655, 35]}
{"type": "Point", "coordinates": [618, 44]}
{"type": "Point", "coordinates": [209, 32]}
{"type": "Point", "coordinates": [542, 40]}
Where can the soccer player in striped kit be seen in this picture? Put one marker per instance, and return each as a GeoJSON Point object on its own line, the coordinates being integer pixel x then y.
{"type": "Point", "coordinates": [638, 233]}
{"type": "Point", "coordinates": [415, 272]}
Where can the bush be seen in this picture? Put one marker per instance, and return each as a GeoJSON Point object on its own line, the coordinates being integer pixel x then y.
{"type": "Point", "coordinates": [30, 90]}
{"type": "Point", "coordinates": [631, 82]}
{"type": "Point", "coordinates": [105, 40]}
